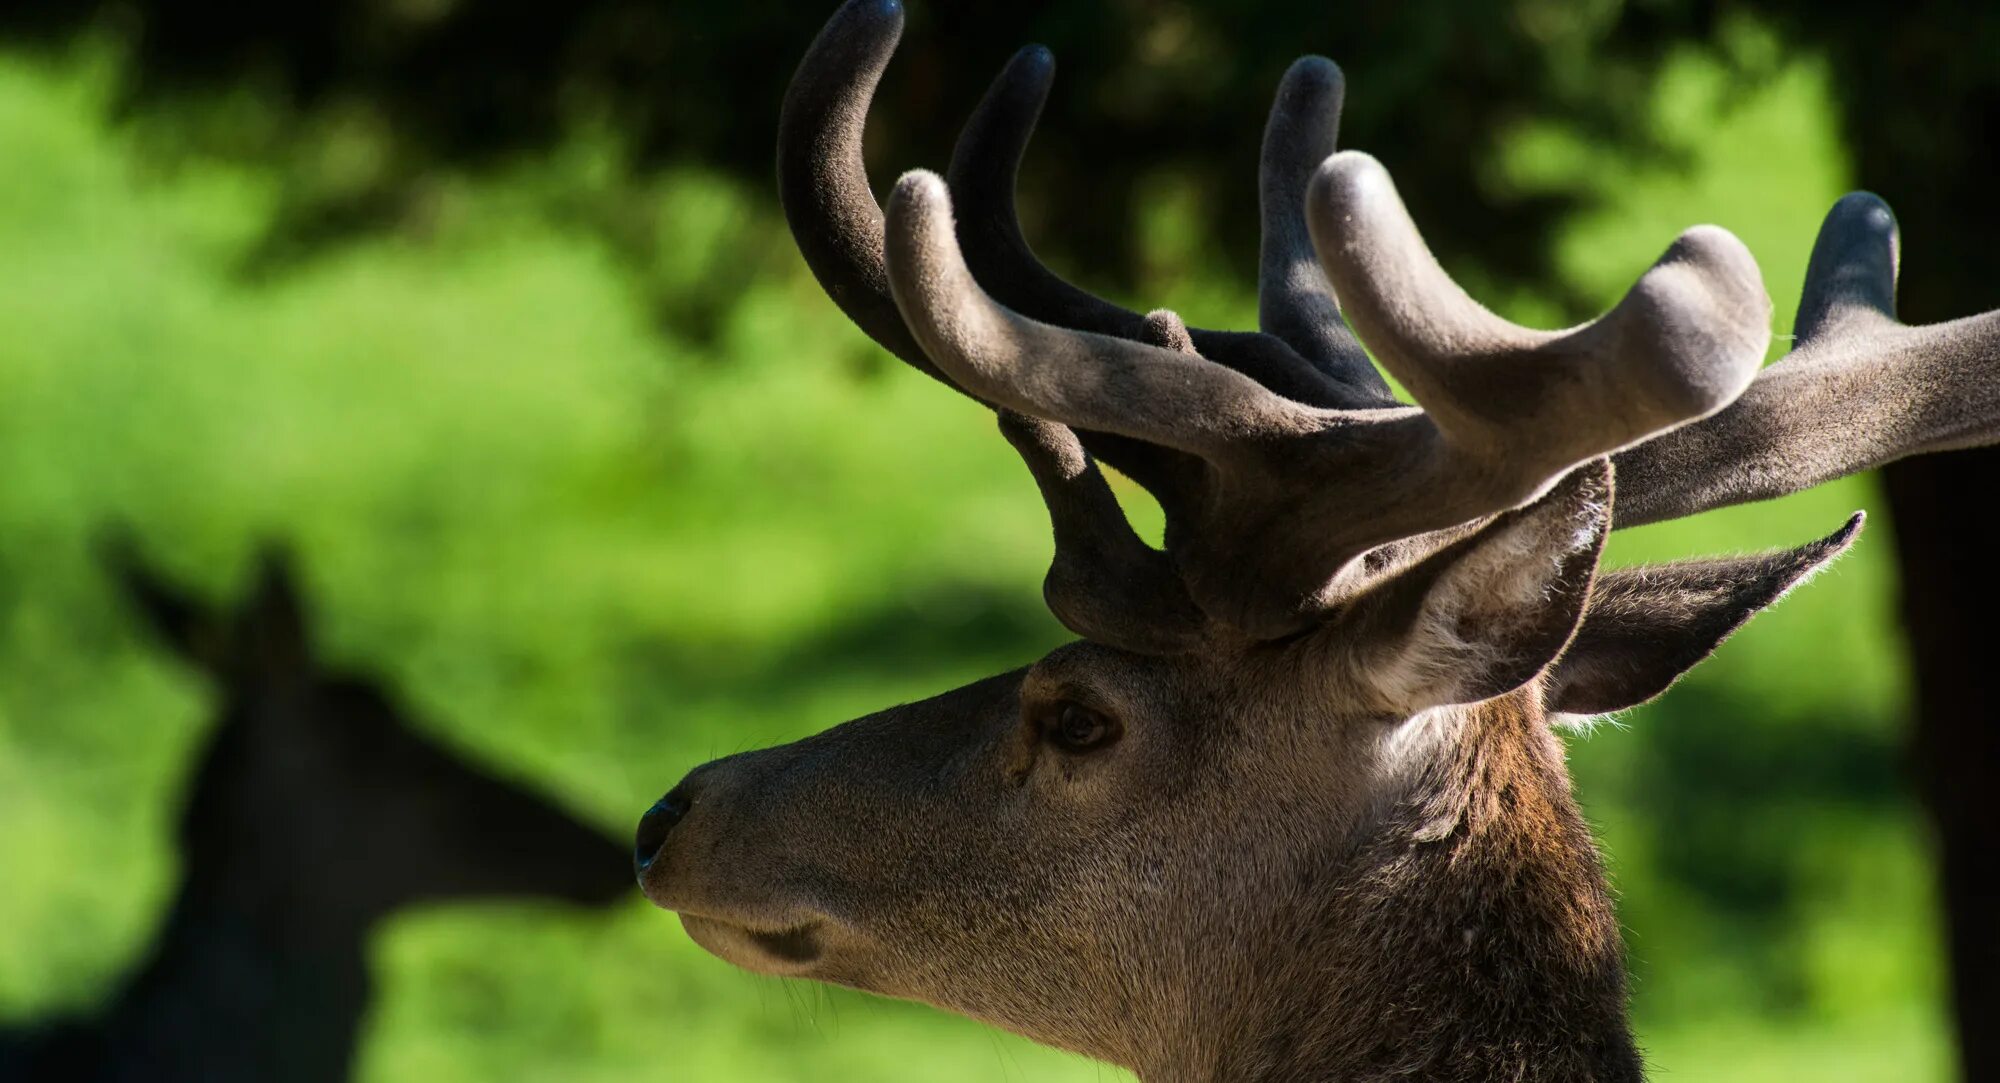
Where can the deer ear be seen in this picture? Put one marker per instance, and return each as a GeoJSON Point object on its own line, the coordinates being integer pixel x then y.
{"type": "Point", "coordinates": [1648, 625]}
{"type": "Point", "coordinates": [1483, 616]}
{"type": "Point", "coordinates": [272, 625]}
{"type": "Point", "coordinates": [182, 621]}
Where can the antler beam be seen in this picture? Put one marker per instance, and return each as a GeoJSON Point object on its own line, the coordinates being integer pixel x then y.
{"type": "Point", "coordinates": [1685, 340]}
{"type": "Point", "coordinates": [1295, 492]}
{"type": "Point", "coordinates": [1858, 390]}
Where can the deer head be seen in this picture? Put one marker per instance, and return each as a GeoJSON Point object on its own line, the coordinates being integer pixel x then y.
{"type": "Point", "coordinates": [318, 796]}
{"type": "Point", "coordinates": [316, 809]}
{"type": "Point", "coordinates": [1292, 807]}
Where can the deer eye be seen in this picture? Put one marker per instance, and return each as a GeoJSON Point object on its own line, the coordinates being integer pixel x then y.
{"type": "Point", "coordinates": [1075, 728]}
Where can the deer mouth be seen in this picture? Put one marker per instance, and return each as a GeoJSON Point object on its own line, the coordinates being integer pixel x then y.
{"type": "Point", "coordinates": [787, 951]}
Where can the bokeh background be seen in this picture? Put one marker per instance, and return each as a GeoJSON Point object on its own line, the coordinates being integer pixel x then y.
{"type": "Point", "coordinates": [485, 312]}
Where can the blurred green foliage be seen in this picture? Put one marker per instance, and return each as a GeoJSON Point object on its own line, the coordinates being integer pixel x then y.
{"type": "Point", "coordinates": [594, 553]}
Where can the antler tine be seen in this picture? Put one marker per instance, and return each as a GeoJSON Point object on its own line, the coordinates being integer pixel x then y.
{"type": "Point", "coordinates": [1858, 390]}
{"type": "Point", "coordinates": [823, 186]}
{"type": "Point", "coordinates": [1080, 378]}
{"type": "Point", "coordinates": [823, 181]}
{"type": "Point", "coordinates": [1851, 274]}
{"type": "Point", "coordinates": [1294, 301]}
{"type": "Point", "coordinates": [1682, 344]}
{"type": "Point", "coordinates": [1105, 584]}
{"type": "Point", "coordinates": [985, 166]}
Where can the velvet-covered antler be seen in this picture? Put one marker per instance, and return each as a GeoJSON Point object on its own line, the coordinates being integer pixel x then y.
{"type": "Point", "coordinates": [1278, 457]}
{"type": "Point", "coordinates": [823, 186]}
{"type": "Point", "coordinates": [1857, 391]}
{"type": "Point", "coordinates": [1306, 353]}
{"type": "Point", "coordinates": [1296, 493]}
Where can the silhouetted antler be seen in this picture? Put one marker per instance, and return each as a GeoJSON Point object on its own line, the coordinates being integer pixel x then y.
{"type": "Point", "coordinates": [1857, 391]}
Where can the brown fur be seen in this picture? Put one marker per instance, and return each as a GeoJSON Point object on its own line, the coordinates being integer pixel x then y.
{"type": "Point", "coordinates": [1286, 868]}
{"type": "Point", "coordinates": [1240, 889]}
{"type": "Point", "coordinates": [1470, 937]}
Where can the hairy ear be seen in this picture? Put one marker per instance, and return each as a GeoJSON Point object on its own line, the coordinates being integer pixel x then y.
{"type": "Point", "coordinates": [1484, 615]}
{"type": "Point", "coordinates": [1646, 626]}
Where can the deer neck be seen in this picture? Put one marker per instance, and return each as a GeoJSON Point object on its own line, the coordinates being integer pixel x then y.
{"type": "Point", "coordinates": [1467, 935]}
{"type": "Point", "coordinates": [241, 992]}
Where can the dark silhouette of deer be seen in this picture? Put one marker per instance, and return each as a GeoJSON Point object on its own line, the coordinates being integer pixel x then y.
{"type": "Point", "coordinates": [1294, 807]}
{"type": "Point", "coordinates": [316, 810]}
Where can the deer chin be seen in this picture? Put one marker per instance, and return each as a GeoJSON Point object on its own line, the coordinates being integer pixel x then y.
{"type": "Point", "coordinates": [786, 951]}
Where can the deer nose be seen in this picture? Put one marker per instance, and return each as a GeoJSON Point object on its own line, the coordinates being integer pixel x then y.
{"type": "Point", "coordinates": [655, 825]}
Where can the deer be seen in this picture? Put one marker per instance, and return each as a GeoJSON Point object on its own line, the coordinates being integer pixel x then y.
{"type": "Point", "coordinates": [1294, 804]}
{"type": "Point", "coordinates": [316, 811]}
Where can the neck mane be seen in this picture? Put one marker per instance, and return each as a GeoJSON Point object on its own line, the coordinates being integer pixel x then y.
{"type": "Point", "coordinates": [1468, 936]}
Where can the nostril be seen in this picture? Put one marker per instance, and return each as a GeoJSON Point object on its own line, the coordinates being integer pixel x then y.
{"type": "Point", "coordinates": [654, 827]}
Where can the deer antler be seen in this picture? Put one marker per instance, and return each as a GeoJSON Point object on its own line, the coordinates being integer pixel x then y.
{"type": "Point", "coordinates": [1105, 583]}
{"type": "Point", "coordinates": [1684, 341]}
{"type": "Point", "coordinates": [1278, 457]}
{"type": "Point", "coordinates": [822, 180]}
{"type": "Point", "coordinates": [1306, 354]}
{"type": "Point", "coordinates": [1859, 389]}
{"type": "Point", "coordinates": [823, 185]}
{"type": "Point", "coordinates": [1296, 492]}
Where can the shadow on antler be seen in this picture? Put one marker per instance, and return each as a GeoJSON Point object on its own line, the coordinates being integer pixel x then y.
{"type": "Point", "coordinates": [316, 810]}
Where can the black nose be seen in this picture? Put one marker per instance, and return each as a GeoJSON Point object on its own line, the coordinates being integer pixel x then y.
{"type": "Point", "coordinates": [654, 827]}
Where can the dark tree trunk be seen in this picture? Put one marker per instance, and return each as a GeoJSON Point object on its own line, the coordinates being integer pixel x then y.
{"type": "Point", "coordinates": [1951, 594]}
{"type": "Point", "coordinates": [1933, 150]}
